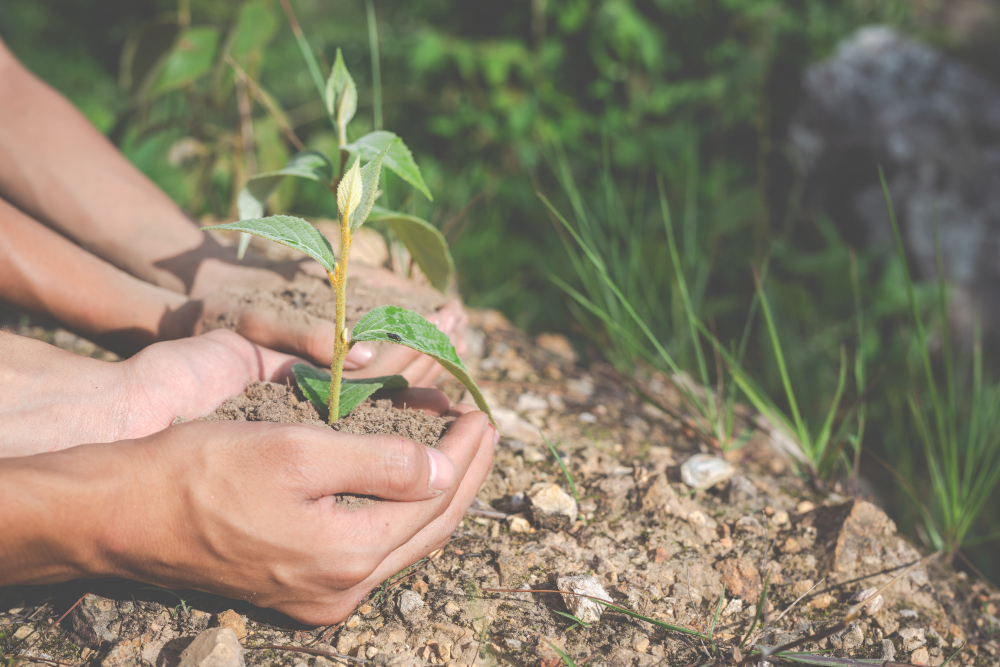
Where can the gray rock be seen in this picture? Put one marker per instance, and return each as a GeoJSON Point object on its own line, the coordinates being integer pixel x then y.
{"type": "Point", "coordinates": [92, 621]}
{"type": "Point", "coordinates": [913, 638]}
{"type": "Point", "coordinates": [888, 650]}
{"type": "Point", "coordinates": [702, 471]}
{"type": "Point", "coordinates": [410, 605]}
{"type": "Point", "coordinates": [551, 507]}
{"type": "Point", "coordinates": [933, 123]}
{"type": "Point", "coordinates": [850, 639]}
{"type": "Point", "coordinates": [585, 609]}
{"type": "Point", "coordinates": [215, 647]}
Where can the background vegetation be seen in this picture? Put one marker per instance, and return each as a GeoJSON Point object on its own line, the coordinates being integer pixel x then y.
{"type": "Point", "coordinates": [585, 101]}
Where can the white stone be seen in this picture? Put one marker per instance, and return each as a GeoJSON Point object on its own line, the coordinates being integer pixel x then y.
{"type": "Point", "coordinates": [585, 609]}
{"type": "Point", "coordinates": [871, 607]}
{"type": "Point", "coordinates": [409, 604]}
{"type": "Point", "coordinates": [913, 638]}
{"type": "Point", "coordinates": [528, 402]}
{"type": "Point", "coordinates": [704, 470]}
{"type": "Point", "coordinates": [215, 647]}
{"type": "Point", "coordinates": [735, 606]}
{"type": "Point", "coordinates": [551, 507]}
{"type": "Point", "coordinates": [587, 418]}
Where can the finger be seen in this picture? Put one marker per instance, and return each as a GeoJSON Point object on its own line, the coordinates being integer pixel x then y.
{"type": "Point", "coordinates": [416, 373]}
{"type": "Point", "coordinates": [433, 401]}
{"type": "Point", "coordinates": [258, 363]}
{"type": "Point", "coordinates": [306, 336]}
{"type": "Point", "coordinates": [435, 534]}
{"type": "Point", "coordinates": [394, 467]}
{"type": "Point", "coordinates": [391, 360]}
{"type": "Point", "coordinates": [360, 356]}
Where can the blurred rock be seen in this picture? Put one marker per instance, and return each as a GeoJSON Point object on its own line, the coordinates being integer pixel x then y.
{"type": "Point", "coordinates": [585, 609]}
{"type": "Point", "coordinates": [702, 471]}
{"type": "Point", "coordinates": [215, 647]}
{"type": "Point", "coordinates": [933, 123]}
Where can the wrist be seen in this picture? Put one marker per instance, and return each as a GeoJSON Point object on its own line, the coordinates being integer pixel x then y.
{"type": "Point", "coordinates": [53, 517]}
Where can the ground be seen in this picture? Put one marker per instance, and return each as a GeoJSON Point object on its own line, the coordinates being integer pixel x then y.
{"type": "Point", "coordinates": [693, 559]}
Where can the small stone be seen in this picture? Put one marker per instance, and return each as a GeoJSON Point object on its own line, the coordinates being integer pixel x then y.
{"type": "Point", "coordinates": [365, 609]}
{"type": "Point", "coordinates": [660, 555]}
{"type": "Point", "coordinates": [873, 605]}
{"type": "Point", "coordinates": [920, 657]}
{"type": "Point", "coordinates": [735, 606]}
{"type": "Point", "coordinates": [93, 619]}
{"type": "Point", "coordinates": [451, 608]}
{"type": "Point", "coordinates": [532, 454]}
{"type": "Point", "coordinates": [821, 601]}
{"type": "Point", "coordinates": [353, 621]}
{"type": "Point", "coordinates": [802, 586]}
{"type": "Point", "coordinates": [791, 546]}
{"type": "Point", "coordinates": [587, 610]}
{"type": "Point", "coordinates": [780, 518]}
{"type": "Point", "coordinates": [702, 471]}
{"type": "Point", "coordinates": [518, 524]}
{"type": "Point", "coordinates": [371, 652]}
{"type": "Point", "coordinates": [587, 418]}
{"type": "Point", "coordinates": [849, 639]}
{"type": "Point", "coordinates": [640, 643]}
{"type": "Point", "coordinates": [24, 632]}
{"type": "Point", "coordinates": [230, 619]}
{"type": "Point", "coordinates": [410, 605]}
{"type": "Point", "coordinates": [215, 647]}
{"type": "Point", "coordinates": [397, 635]}
{"type": "Point", "coordinates": [697, 519]}
{"type": "Point", "coordinates": [805, 506]}
{"type": "Point", "coordinates": [740, 577]}
{"type": "Point", "coordinates": [346, 642]}
{"type": "Point", "coordinates": [558, 345]}
{"type": "Point", "coordinates": [528, 402]}
{"type": "Point", "coordinates": [551, 507]}
{"type": "Point", "coordinates": [726, 543]}
{"type": "Point", "coordinates": [420, 586]}
{"type": "Point", "coordinates": [888, 650]}
{"type": "Point", "coordinates": [913, 638]}
{"type": "Point", "coordinates": [513, 644]}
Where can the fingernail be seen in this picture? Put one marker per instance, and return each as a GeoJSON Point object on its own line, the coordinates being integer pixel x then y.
{"type": "Point", "coordinates": [442, 471]}
{"type": "Point", "coordinates": [360, 356]}
{"type": "Point", "coordinates": [496, 436]}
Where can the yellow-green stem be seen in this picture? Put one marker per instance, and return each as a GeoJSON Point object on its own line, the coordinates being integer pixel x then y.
{"type": "Point", "coordinates": [342, 346]}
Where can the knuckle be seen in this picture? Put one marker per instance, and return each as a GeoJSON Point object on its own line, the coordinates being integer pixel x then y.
{"type": "Point", "coordinates": [402, 461]}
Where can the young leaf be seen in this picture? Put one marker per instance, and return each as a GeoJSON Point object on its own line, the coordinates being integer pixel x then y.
{"type": "Point", "coordinates": [349, 190]}
{"type": "Point", "coordinates": [315, 384]}
{"type": "Point", "coordinates": [309, 164]}
{"type": "Point", "coordinates": [396, 325]}
{"type": "Point", "coordinates": [424, 242]}
{"type": "Point", "coordinates": [399, 159]}
{"type": "Point", "coordinates": [370, 174]}
{"type": "Point", "coordinates": [290, 231]}
{"type": "Point", "coordinates": [341, 96]}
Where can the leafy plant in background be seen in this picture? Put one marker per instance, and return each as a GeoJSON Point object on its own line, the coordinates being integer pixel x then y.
{"type": "Point", "coordinates": [960, 439]}
{"type": "Point", "coordinates": [356, 195]}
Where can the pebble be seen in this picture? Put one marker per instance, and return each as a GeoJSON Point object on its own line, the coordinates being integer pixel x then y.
{"type": "Point", "coordinates": [920, 657]}
{"type": "Point", "coordinates": [872, 607]}
{"type": "Point", "coordinates": [702, 471]}
{"type": "Point", "coordinates": [551, 507]}
{"type": "Point", "coordinates": [735, 606]}
{"type": "Point", "coordinates": [821, 601]}
{"type": "Point", "coordinates": [850, 639]}
{"type": "Point", "coordinates": [230, 619]}
{"type": "Point", "coordinates": [805, 506]}
{"type": "Point", "coordinates": [791, 546]}
{"type": "Point", "coordinates": [913, 638]}
{"type": "Point", "coordinates": [518, 524]}
{"type": "Point", "coordinates": [451, 608]}
{"type": "Point", "coordinates": [588, 418]}
{"type": "Point", "coordinates": [640, 643]}
{"type": "Point", "coordinates": [528, 402]}
{"type": "Point", "coordinates": [749, 524]}
{"type": "Point", "coordinates": [888, 650]}
{"type": "Point", "coordinates": [215, 647]}
{"type": "Point", "coordinates": [410, 605]}
{"type": "Point", "coordinates": [587, 610]}
{"type": "Point", "coordinates": [802, 586]}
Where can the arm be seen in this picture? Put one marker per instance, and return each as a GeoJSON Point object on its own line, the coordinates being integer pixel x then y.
{"type": "Point", "coordinates": [240, 509]}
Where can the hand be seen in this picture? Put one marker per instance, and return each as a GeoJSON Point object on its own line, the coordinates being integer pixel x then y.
{"type": "Point", "coordinates": [243, 510]}
{"type": "Point", "coordinates": [51, 399]}
{"type": "Point", "coordinates": [313, 338]}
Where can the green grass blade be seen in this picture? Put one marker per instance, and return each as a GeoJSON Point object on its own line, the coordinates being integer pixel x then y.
{"type": "Point", "coordinates": [565, 658]}
{"type": "Point", "coordinates": [760, 607]}
{"type": "Point", "coordinates": [823, 439]}
{"type": "Point", "coordinates": [569, 478]}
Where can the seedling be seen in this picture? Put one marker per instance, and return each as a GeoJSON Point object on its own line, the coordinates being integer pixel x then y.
{"type": "Point", "coordinates": [355, 197]}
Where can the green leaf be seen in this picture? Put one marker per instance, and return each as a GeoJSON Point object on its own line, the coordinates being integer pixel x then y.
{"type": "Point", "coordinates": [290, 231]}
{"type": "Point", "coordinates": [424, 242]}
{"type": "Point", "coordinates": [315, 384]}
{"type": "Point", "coordinates": [256, 25]}
{"type": "Point", "coordinates": [190, 59]}
{"type": "Point", "coordinates": [370, 174]}
{"type": "Point", "coordinates": [399, 159]}
{"type": "Point", "coordinates": [341, 96]}
{"type": "Point", "coordinates": [404, 327]}
{"type": "Point", "coordinates": [309, 164]}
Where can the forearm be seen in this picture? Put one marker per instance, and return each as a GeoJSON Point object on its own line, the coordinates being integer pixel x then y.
{"type": "Point", "coordinates": [51, 523]}
{"type": "Point", "coordinates": [58, 168]}
{"type": "Point", "coordinates": [43, 272]}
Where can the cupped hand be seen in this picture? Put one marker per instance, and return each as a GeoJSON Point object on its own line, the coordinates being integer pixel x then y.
{"type": "Point", "coordinates": [313, 338]}
{"type": "Point", "coordinates": [51, 399]}
{"type": "Point", "coordinates": [246, 510]}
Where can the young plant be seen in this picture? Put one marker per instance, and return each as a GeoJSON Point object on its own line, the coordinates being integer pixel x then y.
{"type": "Point", "coordinates": [356, 195]}
{"type": "Point", "coordinates": [424, 242]}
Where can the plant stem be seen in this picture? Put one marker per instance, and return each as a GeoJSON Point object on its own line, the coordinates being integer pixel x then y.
{"type": "Point", "coordinates": [342, 345]}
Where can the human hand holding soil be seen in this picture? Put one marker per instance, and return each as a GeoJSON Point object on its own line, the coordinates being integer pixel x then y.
{"type": "Point", "coordinates": [241, 509]}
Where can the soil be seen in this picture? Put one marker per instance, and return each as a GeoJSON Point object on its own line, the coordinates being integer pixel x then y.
{"type": "Point", "coordinates": [308, 297]}
{"type": "Point", "coordinates": [678, 556]}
